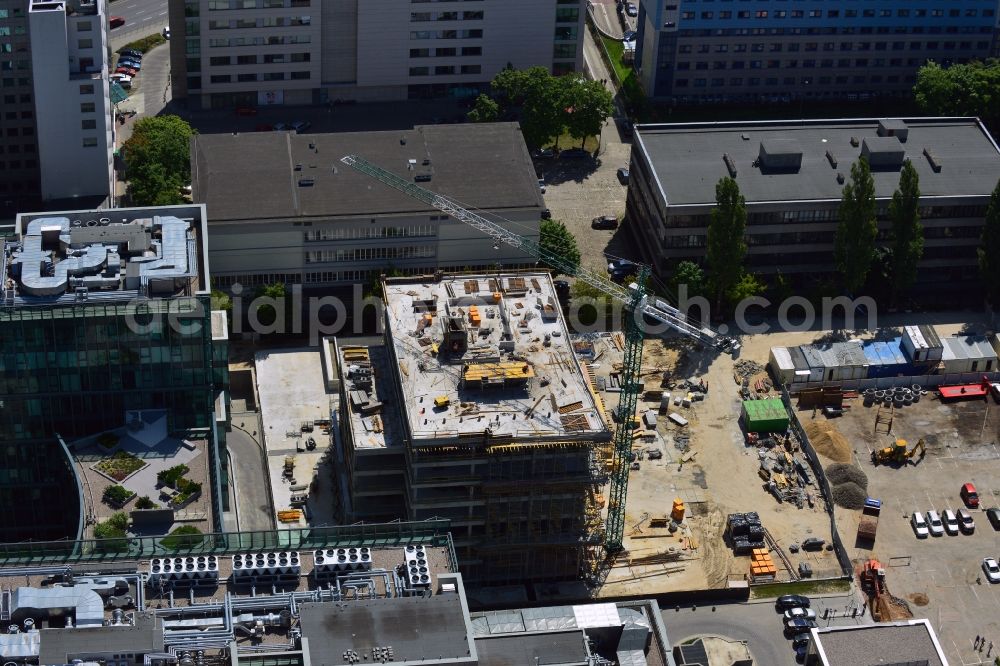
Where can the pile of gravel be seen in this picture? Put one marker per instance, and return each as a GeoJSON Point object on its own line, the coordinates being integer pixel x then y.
{"type": "Point", "coordinates": [838, 473]}
{"type": "Point", "coordinates": [849, 495]}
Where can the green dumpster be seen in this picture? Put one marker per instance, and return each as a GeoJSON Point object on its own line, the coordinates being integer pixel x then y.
{"type": "Point", "coordinates": [767, 415]}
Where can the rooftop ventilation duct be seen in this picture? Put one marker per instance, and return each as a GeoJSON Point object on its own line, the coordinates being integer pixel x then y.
{"type": "Point", "coordinates": [780, 155]}
{"type": "Point", "coordinates": [893, 127]}
{"type": "Point", "coordinates": [883, 153]}
{"type": "Point", "coordinates": [29, 602]}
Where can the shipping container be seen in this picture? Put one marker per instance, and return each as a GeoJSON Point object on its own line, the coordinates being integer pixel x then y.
{"type": "Point", "coordinates": [767, 415]}
{"type": "Point", "coordinates": [782, 366]}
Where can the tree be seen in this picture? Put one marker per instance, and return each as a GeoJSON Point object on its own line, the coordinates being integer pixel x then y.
{"type": "Point", "coordinates": [158, 159]}
{"type": "Point", "coordinates": [989, 248]}
{"type": "Point", "coordinates": [266, 312]}
{"type": "Point", "coordinates": [907, 232]}
{"type": "Point", "coordinates": [145, 503]}
{"type": "Point", "coordinates": [691, 275]}
{"type": "Point", "coordinates": [726, 245]}
{"type": "Point", "coordinates": [854, 247]}
{"type": "Point", "coordinates": [540, 99]}
{"type": "Point", "coordinates": [555, 238]}
{"type": "Point", "coordinates": [748, 285]}
{"type": "Point", "coordinates": [970, 89]}
{"type": "Point", "coordinates": [587, 105]}
{"type": "Point", "coordinates": [486, 110]}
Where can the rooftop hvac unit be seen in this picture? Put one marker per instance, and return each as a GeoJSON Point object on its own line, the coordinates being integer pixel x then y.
{"type": "Point", "coordinates": [418, 572]}
{"type": "Point", "coordinates": [253, 565]}
{"type": "Point", "coordinates": [342, 560]}
{"type": "Point", "coordinates": [192, 569]}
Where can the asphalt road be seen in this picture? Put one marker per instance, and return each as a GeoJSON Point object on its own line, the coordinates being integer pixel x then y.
{"type": "Point", "coordinates": [142, 17]}
{"type": "Point", "coordinates": [757, 624]}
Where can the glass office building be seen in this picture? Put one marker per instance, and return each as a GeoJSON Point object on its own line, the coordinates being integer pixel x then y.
{"type": "Point", "coordinates": [99, 318]}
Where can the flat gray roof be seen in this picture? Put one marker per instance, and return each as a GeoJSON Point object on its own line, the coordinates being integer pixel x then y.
{"type": "Point", "coordinates": [561, 648]}
{"type": "Point", "coordinates": [60, 646]}
{"type": "Point", "coordinates": [909, 641]}
{"type": "Point", "coordinates": [687, 159]}
{"type": "Point", "coordinates": [256, 175]}
{"type": "Point", "coordinates": [434, 629]}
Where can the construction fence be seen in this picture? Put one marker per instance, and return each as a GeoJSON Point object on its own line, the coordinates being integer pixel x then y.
{"type": "Point", "coordinates": [824, 486]}
{"type": "Point", "coordinates": [881, 383]}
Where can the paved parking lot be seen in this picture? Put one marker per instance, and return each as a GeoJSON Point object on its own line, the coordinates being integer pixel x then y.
{"type": "Point", "coordinates": [940, 577]}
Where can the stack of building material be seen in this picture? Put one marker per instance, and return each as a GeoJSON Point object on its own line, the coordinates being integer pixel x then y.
{"type": "Point", "coordinates": [744, 532]}
{"type": "Point", "coordinates": [762, 567]}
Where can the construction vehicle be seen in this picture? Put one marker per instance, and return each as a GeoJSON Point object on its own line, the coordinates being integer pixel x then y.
{"type": "Point", "coordinates": [898, 453]}
{"type": "Point", "coordinates": [868, 526]}
{"type": "Point", "coordinates": [634, 297]}
{"type": "Point", "coordinates": [883, 606]}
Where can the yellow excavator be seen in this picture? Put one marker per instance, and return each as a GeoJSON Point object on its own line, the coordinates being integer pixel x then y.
{"type": "Point", "coordinates": [898, 453]}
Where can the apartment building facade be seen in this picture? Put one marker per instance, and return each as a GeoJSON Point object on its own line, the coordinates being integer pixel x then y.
{"type": "Point", "coordinates": [792, 174]}
{"type": "Point", "coordinates": [261, 52]}
{"type": "Point", "coordinates": [56, 129]}
{"type": "Point", "coordinates": [692, 51]}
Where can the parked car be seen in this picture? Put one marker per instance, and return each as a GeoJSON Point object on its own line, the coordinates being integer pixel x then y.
{"type": "Point", "coordinates": [541, 185]}
{"type": "Point", "coordinates": [629, 35]}
{"type": "Point", "coordinates": [800, 613]}
{"type": "Point", "coordinates": [799, 640]}
{"type": "Point", "coordinates": [301, 126]}
{"type": "Point", "coordinates": [623, 266]}
{"type": "Point", "coordinates": [799, 625]}
{"type": "Point", "coordinates": [788, 601]}
{"type": "Point", "coordinates": [281, 127]}
{"type": "Point", "coordinates": [131, 53]}
{"type": "Point", "coordinates": [125, 70]}
{"type": "Point", "coordinates": [166, 32]}
{"type": "Point", "coordinates": [950, 522]}
{"type": "Point", "coordinates": [631, 9]}
{"type": "Point", "coordinates": [128, 62]}
{"type": "Point", "coordinates": [546, 214]}
{"type": "Point", "coordinates": [622, 175]}
{"type": "Point", "coordinates": [543, 154]}
{"type": "Point", "coordinates": [813, 543]}
{"type": "Point", "coordinates": [934, 523]}
{"type": "Point", "coordinates": [919, 525]}
{"type": "Point", "coordinates": [562, 290]}
{"type": "Point", "coordinates": [965, 521]}
{"type": "Point", "coordinates": [993, 515]}
{"type": "Point", "coordinates": [245, 111]}
{"type": "Point", "coordinates": [116, 21]}
{"type": "Point", "coordinates": [575, 154]}
{"type": "Point", "coordinates": [604, 222]}
{"type": "Point", "coordinates": [124, 80]}
{"type": "Point", "coordinates": [969, 495]}
{"type": "Point", "coordinates": [991, 569]}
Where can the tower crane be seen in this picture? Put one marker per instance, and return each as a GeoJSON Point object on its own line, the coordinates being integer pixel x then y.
{"type": "Point", "coordinates": [634, 297]}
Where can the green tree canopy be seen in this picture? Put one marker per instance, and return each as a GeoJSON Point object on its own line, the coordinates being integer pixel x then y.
{"type": "Point", "coordinates": [158, 159]}
{"type": "Point", "coordinates": [587, 105]}
{"type": "Point", "coordinates": [266, 312]}
{"type": "Point", "coordinates": [486, 110]}
{"type": "Point", "coordinates": [854, 247]}
{"type": "Point", "coordinates": [556, 238]}
{"type": "Point", "coordinates": [907, 232]}
{"type": "Point", "coordinates": [690, 274]}
{"type": "Point", "coordinates": [989, 248]}
{"type": "Point", "coordinates": [726, 244]}
{"type": "Point", "coordinates": [969, 89]}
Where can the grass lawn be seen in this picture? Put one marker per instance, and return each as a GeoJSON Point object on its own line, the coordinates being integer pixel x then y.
{"type": "Point", "coordinates": [616, 49]}
{"type": "Point", "coordinates": [805, 587]}
{"type": "Point", "coordinates": [565, 141]}
{"type": "Point", "coordinates": [120, 466]}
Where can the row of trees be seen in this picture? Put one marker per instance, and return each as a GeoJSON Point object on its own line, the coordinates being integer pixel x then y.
{"type": "Point", "coordinates": [970, 89]}
{"type": "Point", "coordinates": [546, 105]}
{"type": "Point", "coordinates": [158, 160]}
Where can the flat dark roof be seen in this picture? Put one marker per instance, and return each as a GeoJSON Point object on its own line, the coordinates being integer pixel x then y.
{"type": "Point", "coordinates": [898, 643]}
{"type": "Point", "coordinates": [554, 648]}
{"type": "Point", "coordinates": [256, 175]}
{"type": "Point", "coordinates": [417, 628]}
{"type": "Point", "coordinates": [687, 159]}
{"type": "Point", "coordinates": [59, 646]}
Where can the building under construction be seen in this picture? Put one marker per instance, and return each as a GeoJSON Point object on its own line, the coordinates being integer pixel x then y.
{"type": "Point", "coordinates": [477, 410]}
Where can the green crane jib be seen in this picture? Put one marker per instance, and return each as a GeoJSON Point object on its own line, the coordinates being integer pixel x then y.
{"type": "Point", "coordinates": [633, 297]}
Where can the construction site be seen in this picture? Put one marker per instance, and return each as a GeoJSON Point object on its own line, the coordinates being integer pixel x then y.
{"type": "Point", "coordinates": [476, 409]}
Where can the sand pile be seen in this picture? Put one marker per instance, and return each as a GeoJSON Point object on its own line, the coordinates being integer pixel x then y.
{"type": "Point", "coordinates": [827, 441]}
{"type": "Point", "coordinates": [849, 495]}
{"type": "Point", "coordinates": [838, 473]}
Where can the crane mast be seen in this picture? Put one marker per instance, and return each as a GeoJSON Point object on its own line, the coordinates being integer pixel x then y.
{"type": "Point", "coordinates": [638, 304]}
